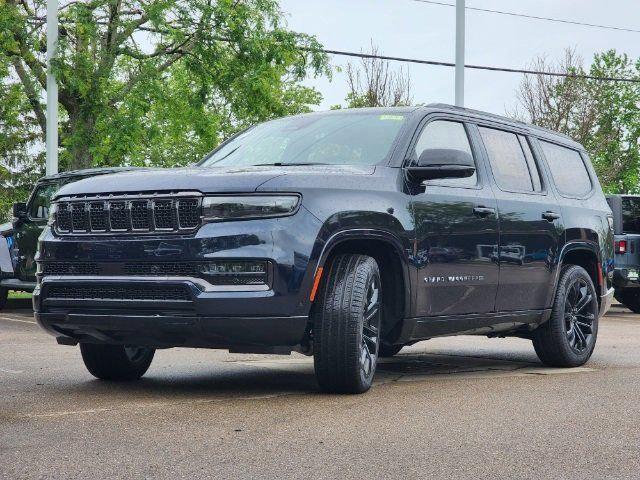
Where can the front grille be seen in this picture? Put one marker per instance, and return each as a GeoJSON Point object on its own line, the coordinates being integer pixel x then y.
{"type": "Point", "coordinates": [128, 292]}
{"type": "Point", "coordinates": [98, 217]}
{"type": "Point", "coordinates": [66, 268]}
{"type": "Point", "coordinates": [140, 218]}
{"type": "Point", "coordinates": [164, 214]}
{"type": "Point", "coordinates": [177, 213]}
{"type": "Point", "coordinates": [164, 269]}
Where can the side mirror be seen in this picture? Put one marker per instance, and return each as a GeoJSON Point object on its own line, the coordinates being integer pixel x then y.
{"type": "Point", "coordinates": [20, 210]}
{"type": "Point", "coordinates": [441, 163]}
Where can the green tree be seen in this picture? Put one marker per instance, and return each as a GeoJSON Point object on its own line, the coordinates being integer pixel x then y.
{"type": "Point", "coordinates": [602, 115]}
{"type": "Point", "coordinates": [157, 82]}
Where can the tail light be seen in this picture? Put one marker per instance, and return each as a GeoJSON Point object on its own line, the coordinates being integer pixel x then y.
{"type": "Point", "coordinates": [621, 246]}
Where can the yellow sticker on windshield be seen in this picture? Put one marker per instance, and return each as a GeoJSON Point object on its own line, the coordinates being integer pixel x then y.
{"type": "Point", "coordinates": [392, 117]}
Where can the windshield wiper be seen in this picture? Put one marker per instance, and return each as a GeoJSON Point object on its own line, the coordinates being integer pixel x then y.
{"type": "Point", "coordinates": [283, 164]}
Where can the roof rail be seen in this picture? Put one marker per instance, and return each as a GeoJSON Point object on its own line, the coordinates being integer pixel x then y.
{"type": "Point", "coordinates": [502, 118]}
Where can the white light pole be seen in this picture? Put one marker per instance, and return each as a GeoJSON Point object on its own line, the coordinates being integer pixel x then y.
{"type": "Point", "coordinates": [52, 89]}
{"type": "Point", "coordinates": [460, 26]}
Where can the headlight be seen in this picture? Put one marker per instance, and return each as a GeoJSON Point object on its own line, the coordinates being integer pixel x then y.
{"type": "Point", "coordinates": [243, 207]}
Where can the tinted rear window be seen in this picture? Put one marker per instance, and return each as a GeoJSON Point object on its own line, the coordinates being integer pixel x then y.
{"type": "Point", "coordinates": [512, 170]}
{"type": "Point", "coordinates": [630, 215]}
{"type": "Point", "coordinates": [567, 169]}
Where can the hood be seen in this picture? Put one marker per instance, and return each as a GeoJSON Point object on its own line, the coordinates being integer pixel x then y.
{"type": "Point", "coordinates": [205, 180]}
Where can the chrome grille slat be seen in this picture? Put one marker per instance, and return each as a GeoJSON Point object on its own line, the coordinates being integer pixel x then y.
{"type": "Point", "coordinates": [133, 214]}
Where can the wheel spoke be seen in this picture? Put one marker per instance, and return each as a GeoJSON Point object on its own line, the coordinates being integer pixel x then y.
{"type": "Point", "coordinates": [571, 336]}
{"type": "Point", "coordinates": [370, 329]}
{"type": "Point", "coordinates": [371, 313]}
{"type": "Point", "coordinates": [581, 337]}
{"type": "Point", "coordinates": [365, 359]}
{"type": "Point", "coordinates": [590, 317]}
{"type": "Point", "coordinates": [373, 298]}
{"type": "Point", "coordinates": [584, 327]}
{"type": "Point", "coordinates": [584, 301]}
{"type": "Point", "coordinates": [572, 296]}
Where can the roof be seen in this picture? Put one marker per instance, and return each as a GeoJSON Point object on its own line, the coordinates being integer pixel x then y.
{"type": "Point", "coordinates": [87, 172]}
{"type": "Point", "coordinates": [502, 119]}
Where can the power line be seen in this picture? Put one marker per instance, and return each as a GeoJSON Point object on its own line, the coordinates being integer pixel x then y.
{"type": "Point", "coordinates": [534, 17]}
{"type": "Point", "coordinates": [475, 67]}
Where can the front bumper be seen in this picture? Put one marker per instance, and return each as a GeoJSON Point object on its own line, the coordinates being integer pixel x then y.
{"type": "Point", "coordinates": [244, 334]}
{"type": "Point", "coordinates": [193, 313]}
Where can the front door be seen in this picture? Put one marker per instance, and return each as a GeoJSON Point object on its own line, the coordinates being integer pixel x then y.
{"type": "Point", "coordinates": [456, 232]}
{"type": "Point", "coordinates": [531, 226]}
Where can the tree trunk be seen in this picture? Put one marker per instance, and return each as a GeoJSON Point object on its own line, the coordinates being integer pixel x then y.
{"type": "Point", "coordinates": [81, 134]}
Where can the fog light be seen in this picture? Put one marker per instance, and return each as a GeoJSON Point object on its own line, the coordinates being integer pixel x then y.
{"type": "Point", "coordinates": [237, 272]}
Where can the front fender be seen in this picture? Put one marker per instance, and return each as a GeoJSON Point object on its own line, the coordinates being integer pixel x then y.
{"type": "Point", "coordinates": [348, 226]}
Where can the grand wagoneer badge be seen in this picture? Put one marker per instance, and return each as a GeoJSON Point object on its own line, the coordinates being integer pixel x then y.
{"type": "Point", "coordinates": [454, 279]}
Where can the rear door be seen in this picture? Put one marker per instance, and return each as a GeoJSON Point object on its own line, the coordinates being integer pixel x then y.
{"type": "Point", "coordinates": [456, 230]}
{"type": "Point", "coordinates": [531, 228]}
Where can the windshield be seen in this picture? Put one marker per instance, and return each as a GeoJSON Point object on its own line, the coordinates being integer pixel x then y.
{"type": "Point", "coordinates": [354, 138]}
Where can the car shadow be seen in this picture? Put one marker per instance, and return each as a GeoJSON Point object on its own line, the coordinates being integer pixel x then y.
{"type": "Point", "coordinates": [274, 377]}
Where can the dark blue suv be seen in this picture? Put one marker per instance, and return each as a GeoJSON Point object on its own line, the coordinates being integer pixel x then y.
{"type": "Point", "coordinates": [342, 235]}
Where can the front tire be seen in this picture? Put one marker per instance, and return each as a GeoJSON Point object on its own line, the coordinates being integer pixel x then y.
{"type": "Point", "coordinates": [4, 294]}
{"type": "Point", "coordinates": [346, 325]}
{"type": "Point", "coordinates": [116, 362]}
{"type": "Point", "coordinates": [569, 337]}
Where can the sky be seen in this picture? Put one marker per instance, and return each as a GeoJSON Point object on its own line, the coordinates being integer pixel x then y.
{"type": "Point", "coordinates": [406, 28]}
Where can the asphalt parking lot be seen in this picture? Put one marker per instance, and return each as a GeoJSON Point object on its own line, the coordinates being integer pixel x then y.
{"type": "Point", "coordinates": [461, 407]}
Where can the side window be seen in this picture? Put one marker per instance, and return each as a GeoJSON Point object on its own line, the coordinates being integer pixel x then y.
{"type": "Point", "coordinates": [511, 161]}
{"type": "Point", "coordinates": [446, 134]}
{"type": "Point", "coordinates": [567, 169]}
{"type": "Point", "coordinates": [40, 201]}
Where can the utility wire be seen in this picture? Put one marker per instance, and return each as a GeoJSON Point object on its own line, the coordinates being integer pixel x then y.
{"type": "Point", "coordinates": [534, 17]}
{"type": "Point", "coordinates": [475, 67]}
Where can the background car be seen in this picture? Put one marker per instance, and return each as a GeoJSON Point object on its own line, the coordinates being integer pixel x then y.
{"type": "Point", "coordinates": [626, 227]}
{"type": "Point", "coordinates": [19, 238]}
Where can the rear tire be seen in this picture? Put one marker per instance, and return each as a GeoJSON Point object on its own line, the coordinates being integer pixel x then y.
{"type": "Point", "coordinates": [569, 337]}
{"type": "Point", "coordinates": [4, 293]}
{"type": "Point", "coordinates": [630, 298]}
{"type": "Point", "coordinates": [116, 362]}
{"type": "Point", "coordinates": [346, 325]}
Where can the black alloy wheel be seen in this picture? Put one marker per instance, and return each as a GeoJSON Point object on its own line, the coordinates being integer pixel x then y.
{"type": "Point", "coordinates": [568, 338]}
{"type": "Point", "coordinates": [371, 329]}
{"type": "Point", "coordinates": [578, 315]}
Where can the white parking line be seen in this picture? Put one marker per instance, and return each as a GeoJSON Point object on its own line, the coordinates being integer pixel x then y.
{"type": "Point", "coordinates": [6, 370]}
{"type": "Point", "coordinates": [17, 320]}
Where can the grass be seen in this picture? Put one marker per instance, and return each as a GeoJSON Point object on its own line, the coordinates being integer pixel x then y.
{"type": "Point", "coordinates": [18, 295]}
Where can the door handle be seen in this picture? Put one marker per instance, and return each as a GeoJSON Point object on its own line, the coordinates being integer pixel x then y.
{"type": "Point", "coordinates": [550, 216]}
{"type": "Point", "coordinates": [484, 211]}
